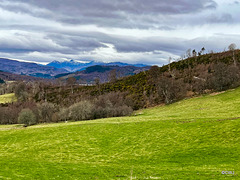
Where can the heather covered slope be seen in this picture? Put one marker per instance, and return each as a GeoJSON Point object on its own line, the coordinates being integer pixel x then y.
{"type": "Point", "coordinates": [193, 139]}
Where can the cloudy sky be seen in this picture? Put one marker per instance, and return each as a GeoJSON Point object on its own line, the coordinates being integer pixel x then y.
{"type": "Point", "coordinates": [135, 31]}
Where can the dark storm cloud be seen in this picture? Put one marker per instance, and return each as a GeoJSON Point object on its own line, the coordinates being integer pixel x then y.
{"type": "Point", "coordinates": [25, 43]}
{"type": "Point", "coordinates": [103, 13]}
{"type": "Point", "coordinates": [51, 42]}
{"type": "Point", "coordinates": [118, 13]}
{"type": "Point", "coordinates": [123, 44]}
{"type": "Point", "coordinates": [101, 8]}
{"type": "Point", "coordinates": [149, 44]}
{"type": "Point", "coordinates": [76, 43]}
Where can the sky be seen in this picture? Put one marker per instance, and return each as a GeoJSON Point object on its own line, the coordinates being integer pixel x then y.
{"type": "Point", "coordinates": [132, 31]}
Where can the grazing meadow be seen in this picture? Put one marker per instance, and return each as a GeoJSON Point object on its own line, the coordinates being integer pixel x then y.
{"type": "Point", "coordinates": [196, 138]}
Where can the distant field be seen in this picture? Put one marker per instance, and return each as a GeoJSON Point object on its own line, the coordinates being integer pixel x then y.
{"type": "Point", "coordinates": [192, 139]}
{"type": "Point", "coordinates": [7, 98]}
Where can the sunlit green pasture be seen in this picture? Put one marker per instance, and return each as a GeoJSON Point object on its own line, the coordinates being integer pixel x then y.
{"type": "Point", "coordinates": [193, 139]}
{"type": "Point", "coordinates": [7, 98]}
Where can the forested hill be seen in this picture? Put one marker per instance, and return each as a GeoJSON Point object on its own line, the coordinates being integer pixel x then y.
{"type": "Point", "coordinates": [192, 76]}
{"type": "Point", "coordinates": [103, 73]}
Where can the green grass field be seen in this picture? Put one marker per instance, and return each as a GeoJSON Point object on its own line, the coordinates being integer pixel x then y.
{"type": "Point", "coordinates": [7, 98]}
{"type": "Point", "coordinates": [193, 139]}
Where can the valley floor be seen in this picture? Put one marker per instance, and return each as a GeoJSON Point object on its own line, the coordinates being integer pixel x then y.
{"type": "Point", "coordinates": [197, 138]}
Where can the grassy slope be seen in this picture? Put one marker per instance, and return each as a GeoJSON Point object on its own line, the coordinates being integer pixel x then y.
{"type": "Point", "coordinates": [193, 139]}
{"type": "Point", "coordinates": [7, 98]}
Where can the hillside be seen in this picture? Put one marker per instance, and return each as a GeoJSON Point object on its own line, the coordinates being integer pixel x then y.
{"type": "Point", "coordinates": [103, 73]}
{"type": "Point", "coordinates": [31, 69]}
{"type": "Point", "coordinates": [6, 76]}
{"type": "Point", "coordinates": [193, 139]}
{"type": "Point", "coordinates": [170, 83]}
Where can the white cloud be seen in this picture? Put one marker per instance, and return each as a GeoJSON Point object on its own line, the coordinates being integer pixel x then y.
{"type": "Point", "coordinates": [48, 30]}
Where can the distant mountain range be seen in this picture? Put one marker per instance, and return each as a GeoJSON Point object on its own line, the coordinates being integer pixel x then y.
{"type": "Point", "coordinates": [82, 71]}
{"type": "Point", "coordinates": [73, 66]}
{"type": "Point", "coordinates": [30, 69]}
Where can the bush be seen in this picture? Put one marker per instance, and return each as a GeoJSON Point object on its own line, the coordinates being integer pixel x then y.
{"type": "Point", "coordinates": [27, 117]}
{"type": "Point", "coordinates": [81, 111]}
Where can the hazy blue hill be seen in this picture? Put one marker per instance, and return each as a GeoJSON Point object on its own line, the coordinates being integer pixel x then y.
{"type": "Point", "coordinates": [69, 65]}
{"type": "Point", "coordinates": [74, 66]}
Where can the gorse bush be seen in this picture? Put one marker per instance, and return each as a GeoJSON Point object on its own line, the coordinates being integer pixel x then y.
{"type": "Point", "coordinates": [27, 117]}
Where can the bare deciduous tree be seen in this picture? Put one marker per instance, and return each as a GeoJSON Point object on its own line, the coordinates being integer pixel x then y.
{"type": "Point", "coordinates": [97, 81]}
{"type": "Point", "coordinates": [71, 81]}
{"type": "Point", "coordinates": [171, 90]}
{"type": "Point", "coordinates": [21, 92]}
{"type": "Point", "coordinates": [188, 53]}
{"type": "Point", "coordinates": [223, 77]}
{"type": "Point", "coordinates": [232, 48]}
{"type": "Point", "coordinates": [113, 76]}
{"type": "Point", "coordinates": [46, 111]}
